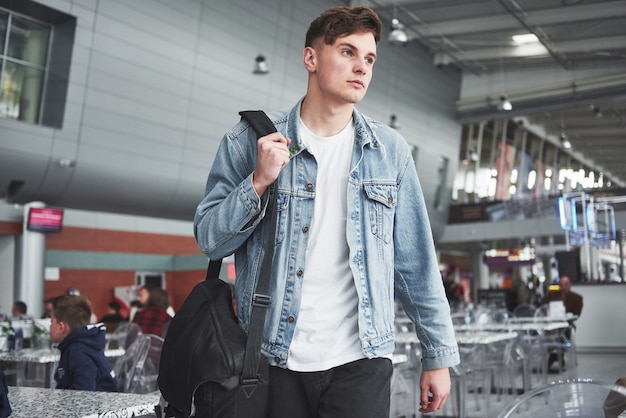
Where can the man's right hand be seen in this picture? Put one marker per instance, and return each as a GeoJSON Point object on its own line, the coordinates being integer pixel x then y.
{"type": "Point", "coordinates": [273, 155]}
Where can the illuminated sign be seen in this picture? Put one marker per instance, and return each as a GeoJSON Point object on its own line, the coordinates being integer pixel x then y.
{"type": "Point", "coordinates": [45, 219]}
{"type": "Point", "coordinates": [510, 257]}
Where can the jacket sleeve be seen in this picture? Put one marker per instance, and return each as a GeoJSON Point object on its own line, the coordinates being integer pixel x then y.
{"type": "Point", "coordinates": [417, 278]}
{"type": "Point", "coordinates": [230, 209]}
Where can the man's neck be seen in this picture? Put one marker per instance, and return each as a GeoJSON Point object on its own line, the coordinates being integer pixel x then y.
{"type": "Point", "coordinates": [325, 119]}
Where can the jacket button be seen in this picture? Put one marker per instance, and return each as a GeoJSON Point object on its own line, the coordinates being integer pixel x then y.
{"type": "Point", "coordinates": [309, 186]}
{"type": "Point", "coordinates": [390, 199]}
{"type": "Point", "coordinates": [305, 229]}
{"type": "Point", "coordinates": [299, 273]}
{"type": "Point", "coordinates": [277, 359]}
{"type": "Point", "coordinates": [291, 318]}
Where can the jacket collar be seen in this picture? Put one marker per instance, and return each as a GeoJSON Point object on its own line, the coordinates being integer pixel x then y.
{"type": "Point", "coordinates": [362, 126]}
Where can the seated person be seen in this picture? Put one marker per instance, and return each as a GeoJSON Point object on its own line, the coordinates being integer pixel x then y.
{"type": "Point", "coordinates": [47, 308]}
{"type": "Point", "coordinates": [573, 301]}
{"type": "Point", "coordinates": [154, 317]}
{"type": "Point", "coordinates": [19, 311]}
{"type": "Point", "coordinates": [143, 294]}
{"type": "Point", "coordinates": [113, 316]}
{"type": "Point", "coordinates": [83, 365]}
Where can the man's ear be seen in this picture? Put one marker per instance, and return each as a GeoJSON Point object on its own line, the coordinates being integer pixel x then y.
{"type": "Point", "coordinates": [309, 59]}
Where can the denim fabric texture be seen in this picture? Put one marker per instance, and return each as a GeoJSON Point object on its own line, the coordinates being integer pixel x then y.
{"type": "Point", "coordinates": [392, 253]}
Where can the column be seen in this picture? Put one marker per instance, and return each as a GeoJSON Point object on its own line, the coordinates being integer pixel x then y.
{"type": "Point", "coordinates": [29, 285]}
{"type": "Point", "coordinates": [481, 273]}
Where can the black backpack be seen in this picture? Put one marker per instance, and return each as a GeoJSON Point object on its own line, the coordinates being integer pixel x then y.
{"type": "Point", "coordinates": [209, 367]}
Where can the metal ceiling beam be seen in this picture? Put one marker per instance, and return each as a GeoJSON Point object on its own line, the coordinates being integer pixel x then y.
{"type": "Point", "coordinates": [513, 8]}
{"type": "Point", "coordinates": [609, 43]}
{"type": "Point", "coordinates": [506, 22]}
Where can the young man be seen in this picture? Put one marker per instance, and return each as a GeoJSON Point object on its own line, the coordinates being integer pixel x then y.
{"type": "Point", "coordinates": [352, 227]}
{"type": "Point", "coordinates": [83, 365]}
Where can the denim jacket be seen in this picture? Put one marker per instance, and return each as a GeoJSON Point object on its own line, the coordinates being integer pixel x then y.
{"type": "Point", "coordinates": [391, 246]}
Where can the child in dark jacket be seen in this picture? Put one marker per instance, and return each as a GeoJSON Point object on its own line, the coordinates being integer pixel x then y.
{"type": "Point", "coordinates": [83, 365]}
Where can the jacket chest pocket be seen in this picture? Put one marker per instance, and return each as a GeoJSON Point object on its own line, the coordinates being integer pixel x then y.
{"type": "Point", "coordinates": [381, 204]}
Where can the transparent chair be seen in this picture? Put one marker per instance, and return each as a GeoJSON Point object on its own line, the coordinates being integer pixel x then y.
{"type": "Point", "coordinates": [499, 316]}
{"type": "Point", "coordinates": [561, 344]}
{"type": "Point", "coordinates": [470, 376]}
{"type": "Point", "coordinates": [534, 356]}
{"type": "Point", "coordinates": [129, 367]}
{"type": "Point", "coordinates": [524, 310]}
{"type": "Point", "coordinates": [584, 398]}
{"type": "Point", "coordinates": [123, 336]}
{"type": "Point", "coordinates": [505, 362]}
{"type": "Point", "coordinates": [405, 380]}
{"type": "Point", "coordinates": [146, 381]}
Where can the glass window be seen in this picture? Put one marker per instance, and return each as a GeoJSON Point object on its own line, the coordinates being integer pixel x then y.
{"type": "Point", "coordinates": [28, 41]}
{"type": "Point", "coordinates": [34, 39]}
{"type": "Point", "coordinates": [22, 66]}
{"type": "Point", "coordinates": [4, 23]}
{"type": "Point", "coordinates": [20, 95]}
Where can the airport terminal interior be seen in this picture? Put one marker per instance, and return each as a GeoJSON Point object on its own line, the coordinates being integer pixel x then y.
{"type": "Point", "coordinates": [112, 111]}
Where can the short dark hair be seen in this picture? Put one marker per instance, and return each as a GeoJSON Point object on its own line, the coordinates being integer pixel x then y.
{"type": "Point", "coordinates": [20, 307]}
{"type": "Point", "coordinates": [74, 310]}
{"type": "Point", "coordinates": [115, 306]}
{"type": "Point", "coordinates": [341, 21]}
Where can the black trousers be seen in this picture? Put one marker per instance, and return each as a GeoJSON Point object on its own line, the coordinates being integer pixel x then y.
{"type": "Point", "coordinates": [358, 389]}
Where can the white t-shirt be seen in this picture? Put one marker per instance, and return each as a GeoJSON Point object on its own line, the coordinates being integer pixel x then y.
{"type": "Point", "coordinates": [326, 333]}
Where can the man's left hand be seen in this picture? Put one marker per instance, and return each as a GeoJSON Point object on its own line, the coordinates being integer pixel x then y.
{"type": "Point", "coordinates": [434, 388]}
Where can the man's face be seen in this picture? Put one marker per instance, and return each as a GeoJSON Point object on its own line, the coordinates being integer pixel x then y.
{"type": "Point", "coordinates": [344, 69]}
{"type": "Point", "coordinates": [565, 284]}
{"type": "Point", "coordinates": [143, 296]}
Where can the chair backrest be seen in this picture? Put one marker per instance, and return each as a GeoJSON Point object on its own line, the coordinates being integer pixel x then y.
{"type": "Point", "coordinates": [499, 316]}
{"type": "Point", "coordinates": [525, 310]}
{"type": "Point", "coordinates": [542, 311]}
{"type": "Point", "coordinates": [130, 366]}
{"type": "Point", "coordinates": [569, 398]}
{"type": "Point", "coordinates": [132, 332]}
{"type": "Point", "coordinates": [144, 378]}
{"type": "Point", "coordinates": [123, 335]}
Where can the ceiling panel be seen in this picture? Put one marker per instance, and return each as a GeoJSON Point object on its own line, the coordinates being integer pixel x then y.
{"type": "Point", "coordinates": [476, 36]}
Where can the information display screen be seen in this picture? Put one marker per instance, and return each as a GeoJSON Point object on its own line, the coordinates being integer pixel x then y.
{"type": "Point", "coordinates": [45, 219]}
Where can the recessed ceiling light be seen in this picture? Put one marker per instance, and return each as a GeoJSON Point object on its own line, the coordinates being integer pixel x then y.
{"type": "Point", "coordinates": [526, 38]}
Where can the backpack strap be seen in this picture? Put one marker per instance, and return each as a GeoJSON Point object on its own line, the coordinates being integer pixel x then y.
{"type": "Point", "coordinates": [261, 300]}
{"type": "Point", "coordinates": [213, 271]}
{"type": "Point", "coordinates": [263, 126]}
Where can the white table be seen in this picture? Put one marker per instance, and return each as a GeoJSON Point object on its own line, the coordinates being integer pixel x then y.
{"type": "Point", "coordinates": [474, 337]}
{"type": "Point", "coordinates": [48, 356]}
{"type": "Point", "coordinates": [39, 402]}
{"type": "Point", "coordinates": [536, 326]}
{"type": "Point", "coordinates": [483, 337]}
